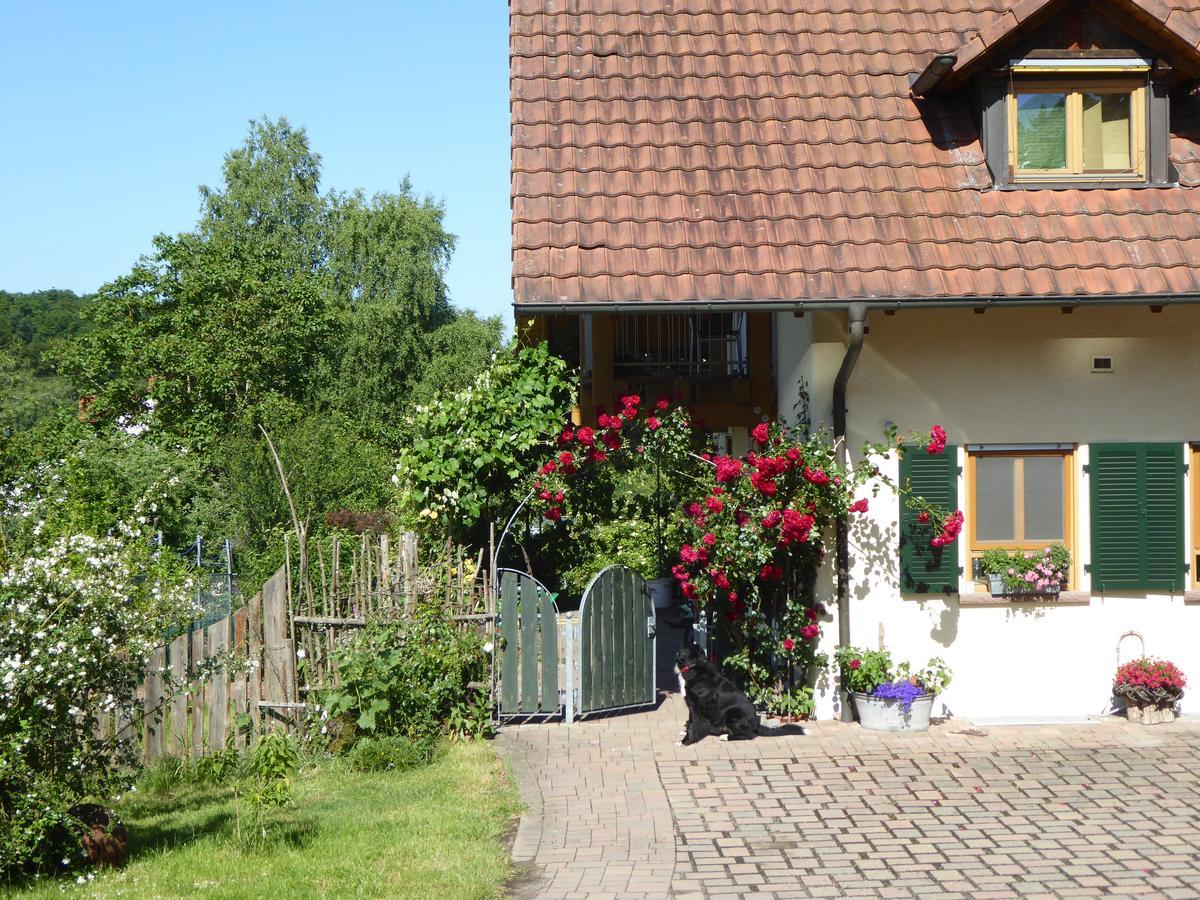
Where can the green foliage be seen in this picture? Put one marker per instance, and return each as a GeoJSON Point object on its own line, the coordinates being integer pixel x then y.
{"type": "Point", "coordinates": [79, 615]}
{"type": "Point", "coordinates": [405, 677]}
{"type": "Point", "coordinates": [30, 326]}
{"type": "Point", "coordinates": [864, 670]}
{"type": "Point", "coordinates": [394, 753]}
{"type": "Point", "coordinates": [874, 667]}
{"type": "Point", "coordinates": [456, 353]}
{"type": "Point", "coordinates": [474, 449]}
{"type": "Point", "coordinates": [267, 786]}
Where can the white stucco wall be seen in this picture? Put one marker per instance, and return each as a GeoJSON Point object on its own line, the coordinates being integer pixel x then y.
{"type": "Point", "coordinates": [1009, 376]}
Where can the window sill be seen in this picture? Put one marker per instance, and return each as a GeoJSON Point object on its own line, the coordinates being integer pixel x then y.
{"type": "Point", "coordinates": [1191, 596]}
{"type": "Point", "coordinates": [1064, 598]}
{"type": "Point", "coordinates": [1082, 185]}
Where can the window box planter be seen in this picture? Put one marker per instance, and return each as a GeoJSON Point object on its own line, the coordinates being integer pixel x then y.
{"type": "Point", "coordinates": [879, 714]}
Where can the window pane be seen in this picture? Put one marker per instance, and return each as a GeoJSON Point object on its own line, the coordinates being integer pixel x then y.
{"type": "Point", "coordinates": [1045, 519]}
{"type": "Point", "coordinates": [1106, 132]}
{"type": "Point", "coordinates": [1041, 131]}
{"type": "Point", "coordinates": [995, 507]}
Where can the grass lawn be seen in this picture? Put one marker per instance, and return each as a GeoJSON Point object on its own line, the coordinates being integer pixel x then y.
{"type": "Point", "coordinates": [430, 832]}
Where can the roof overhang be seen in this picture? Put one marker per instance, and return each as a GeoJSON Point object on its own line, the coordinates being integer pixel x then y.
{"type": "Point", "coordinates": [659, 306]}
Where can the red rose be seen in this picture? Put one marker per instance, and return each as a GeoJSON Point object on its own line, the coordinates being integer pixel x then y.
{"type": "Point", "coordinates": [761, 433]}
{"type": "Point", "coordinates": [771, 519]}
{"type": "Point", "coordinates": [548, 468]}
{"type": "Point", "coordinates": [559, 497]}
{"type": "Point", "coordinates": [859, 506]}
{"type": "Point", "coordinates": [709, 538]}
{"type": "Point", "coordinates": [567, 436]}
{"type": "Point", "coordinates": [810, 632]}
{"type": "Point", "coordinates": [598, 456]}
{"type": "Point", "coordinates": [714, 504]}
{"type": "Point", "coordinates": [652, 423]}
{"type": "Point", "coordinates": [553, 514]}
{"type": "Point", "coordinates": [545, 495]}
{"type": "Point", "coordinates": [630, 400]}
{"type": "Point", "coordinates": [662, 402]}
{"type": "Point", "coordinates": [586, 436]}
{"type": "Point", "coordinates": [922, 517]}
{"type": "Point", "coordinates": [788, 644]}
{"type": "Point", "coordinates": [855, 663]}
{"type": "Point", "coordinates": [603, 420]}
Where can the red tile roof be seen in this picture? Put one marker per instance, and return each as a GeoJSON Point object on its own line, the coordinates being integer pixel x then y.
{"type": "Point", "coordinates": [749, 150]}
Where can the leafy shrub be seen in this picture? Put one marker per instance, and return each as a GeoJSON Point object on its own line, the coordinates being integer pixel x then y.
{"type": "Point", "coordinates": [391, 754]}
{"type": "Point", "coordinates": [405, 677]}
{"type": "Point", "coordinates": [78, 617]}
{"type": "Point", "coordinates": [267, 785]}
{"type": "Point", "coordinates": [866, 671]}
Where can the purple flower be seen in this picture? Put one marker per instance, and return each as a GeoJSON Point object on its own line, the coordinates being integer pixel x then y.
{"type": "Point", "coordinates": [899, 690]}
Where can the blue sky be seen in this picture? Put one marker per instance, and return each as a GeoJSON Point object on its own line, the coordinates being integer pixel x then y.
{"type": "Point", "coordinates": [114, 113]}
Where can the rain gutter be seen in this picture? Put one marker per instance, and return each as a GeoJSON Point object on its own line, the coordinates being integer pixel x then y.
{"type": "Point", "coordinates": [856, 316]}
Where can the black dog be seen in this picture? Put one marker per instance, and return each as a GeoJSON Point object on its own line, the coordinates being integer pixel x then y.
{"type": "Point", "coordinates": [715, 705]}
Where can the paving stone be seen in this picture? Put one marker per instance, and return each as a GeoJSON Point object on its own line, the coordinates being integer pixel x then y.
{"type": "Point", "coordinates": [614, 808]}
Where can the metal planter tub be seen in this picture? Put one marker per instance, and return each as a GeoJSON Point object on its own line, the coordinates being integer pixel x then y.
{"type": "Point", "coordinates": [879, 714]}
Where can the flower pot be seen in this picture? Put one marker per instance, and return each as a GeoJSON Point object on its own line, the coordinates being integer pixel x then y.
{"type": "Point", "coordinates": [877, 714]}
{"type": "Point", "coordinates": [662, 592]}
{"type": "Point", "coordinates": [995, 584]}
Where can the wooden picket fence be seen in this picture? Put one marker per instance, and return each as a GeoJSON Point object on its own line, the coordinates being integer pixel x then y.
{"type": "Point", "coordinates": [303, 607]}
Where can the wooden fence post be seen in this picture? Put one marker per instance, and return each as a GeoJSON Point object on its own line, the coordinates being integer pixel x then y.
{"type": "Point", "coordinates": [197, 641]}
{"type": "Point", "coordinates": [179, 698]}
{"type": "Point", "coordinates": [154, 713]}
{"type": "Point", "coordinates": [278, 658]}
{"type": "Point", "coordinates": [254, 649]}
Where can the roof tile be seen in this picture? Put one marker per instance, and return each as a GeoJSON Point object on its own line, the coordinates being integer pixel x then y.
{"type": "Point", "coordinates": [770, 149]}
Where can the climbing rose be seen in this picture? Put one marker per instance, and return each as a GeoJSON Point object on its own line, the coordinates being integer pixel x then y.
{"type": "Point", "coordinates": [709, 538]}
{"type": "Point", "coordinates": [598, 456]}
{"type": "Point", "coordinates": [662, 402]}
{"type": "Point", "coordinates": [652, 423]}
{"type": "Point", "coordinates": [771, 519]}
{"type": "Point", "coordinates": [603, 420]}
{"type": "Point", "coordinates": [788, 644]}
{"type": "Point", "coordinates": [859, 506]}
{"type": "Point", "coordinates": [922, 517]}
{"type": "Point", "coordinates": [586, 436]}
{"type": "Point", "coordinates": [559, 496]}
{"type": "Point", "coordinates": [728, 468]}
{"type": "Point", "coordinates": [694, 510]}
{"type": "Point", "coordinates": [688, 554]}
{"type": "Point", "coordinates": [630, 400]}
{"type": "Point", "coordinates": [810, 632]}
{"type": "Point", "coordinates": [548, 468]}
{"type": "Point", "coordinates": [816, 476]}
{"type": "Point", "coordinates": [937, 440]}
{"type": "Point", "coordinates": [553, 514]}
{"type": "Point", "coordinates": [761, 433]}
{"type": "Point", "coordinates": [720, 579]}
{"type": "Point", "coordinates": [545, 495]}
{"type": "Point", "coordinates": [714, 504]}
{"type": "Point", "coordinates": [567, 436]}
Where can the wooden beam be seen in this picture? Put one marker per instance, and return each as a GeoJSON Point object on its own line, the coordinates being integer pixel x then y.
{"type": "Point", "coordinates": [762, 379]}
{"type": "Point", "coordinates": [602, 362]}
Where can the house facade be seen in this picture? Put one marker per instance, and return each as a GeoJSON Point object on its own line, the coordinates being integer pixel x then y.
{"type": "Point", "coordinates": [981, 213]}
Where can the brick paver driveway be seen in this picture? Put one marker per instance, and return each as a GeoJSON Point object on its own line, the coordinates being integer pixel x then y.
{"type": "Point", "coordinates": [616, 809]}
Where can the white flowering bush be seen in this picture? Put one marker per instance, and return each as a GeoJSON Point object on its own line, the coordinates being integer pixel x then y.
{"type": "Point", "coordinates": [79, 615]}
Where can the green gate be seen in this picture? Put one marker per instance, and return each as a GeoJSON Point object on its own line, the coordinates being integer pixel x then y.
{"type": "Point", "coordinates": [527, 647]}
{"type": "Point", "coordinates": [616, 643]}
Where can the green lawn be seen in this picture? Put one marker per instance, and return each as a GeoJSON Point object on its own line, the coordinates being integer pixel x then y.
{"type": "Point", "coordinates": [430, 832]}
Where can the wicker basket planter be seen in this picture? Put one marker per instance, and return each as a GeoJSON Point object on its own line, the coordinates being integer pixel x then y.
{"type": "Point", "coordinates": [1148, 707]}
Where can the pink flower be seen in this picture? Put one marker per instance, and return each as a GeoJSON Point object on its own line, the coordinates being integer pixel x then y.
{"type": "Point", "coordinates": [714, 504]}
{"type": "Point", "coordinates": [709, 538]}
{"type": "Point", "coordinates": [761, 433]}
{"type": "Point", "coordinates": [788, 644]}
{"type": "Point", "coordinates": [810, 632]}
{"type": "Point", "coordinates": [855, 663]}
{"type": "Point", "coordinates": [652, 423]}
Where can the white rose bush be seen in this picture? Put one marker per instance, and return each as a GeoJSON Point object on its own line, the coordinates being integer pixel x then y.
{"type": "Point", "coordinates": [79, 615]}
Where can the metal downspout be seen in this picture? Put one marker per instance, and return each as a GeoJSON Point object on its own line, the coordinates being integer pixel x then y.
{"type": "Point", "coordinates": [856, 315]}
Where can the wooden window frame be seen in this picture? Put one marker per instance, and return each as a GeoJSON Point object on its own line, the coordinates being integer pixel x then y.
{"type": "Point", "coordinates": [1075, 88]}
{"type": "Point", "coordinates": [976, 547]}
{"type": "Point", "coordinates": [1193, 460]}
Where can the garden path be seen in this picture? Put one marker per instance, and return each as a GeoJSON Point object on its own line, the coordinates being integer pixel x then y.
{"type": "Point", "coordinates": [615, 809]}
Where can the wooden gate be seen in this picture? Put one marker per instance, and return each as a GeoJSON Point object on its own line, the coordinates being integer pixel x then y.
{"type": "Point", "coordinates": [616, 643]}
{"type": "Point", "coordinates": [527, 647]}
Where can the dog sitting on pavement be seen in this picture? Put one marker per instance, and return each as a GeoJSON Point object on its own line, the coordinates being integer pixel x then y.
{"type": "Point", "coordinates": [715, 704]}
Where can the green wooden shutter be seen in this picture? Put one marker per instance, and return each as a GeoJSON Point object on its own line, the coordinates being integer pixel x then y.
{"type": "Point", "coordinates": [925, 569]}
{"type": "Point", "coordinates": [1137, 517]}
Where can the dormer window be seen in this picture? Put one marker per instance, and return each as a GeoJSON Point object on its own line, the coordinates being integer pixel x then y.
{"type": "Point", "coordinates": [1078, 120]}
